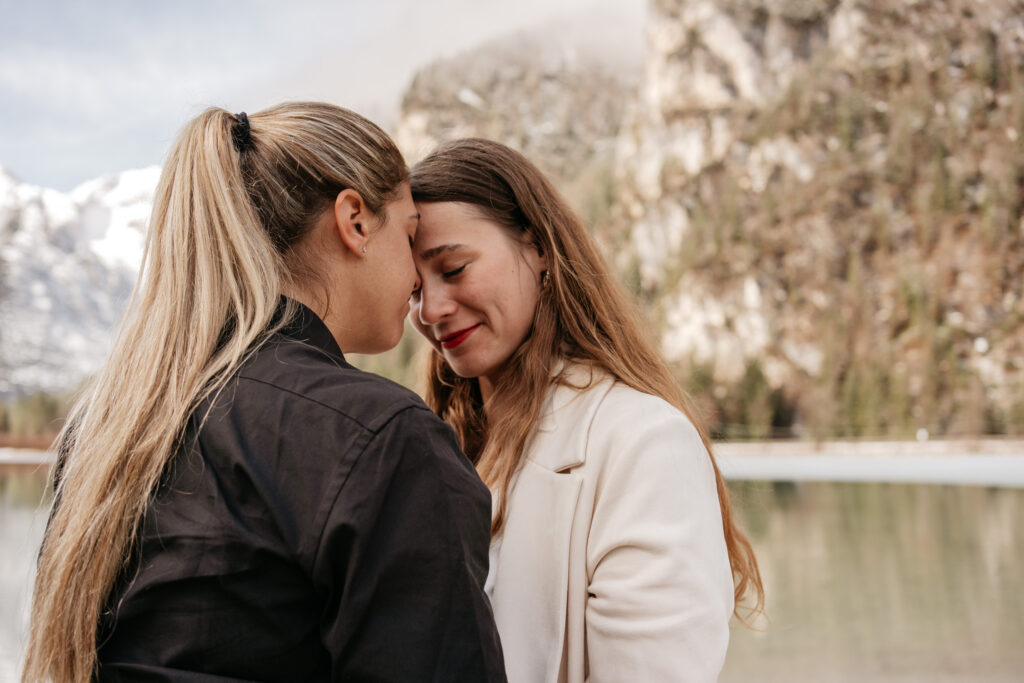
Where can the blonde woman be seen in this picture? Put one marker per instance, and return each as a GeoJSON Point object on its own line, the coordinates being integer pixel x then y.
{"type": "Point", "coordinates": [235, 501]}
{"type": "Point", "coordinates": [614, 554]}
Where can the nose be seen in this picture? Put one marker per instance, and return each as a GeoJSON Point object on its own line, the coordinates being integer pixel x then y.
{"type": "Point", "coordinates": [434, 303]}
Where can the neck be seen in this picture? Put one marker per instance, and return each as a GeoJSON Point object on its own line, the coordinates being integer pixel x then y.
{"type": "Point", "coordinates": [330, 284]}
{"type": "Point", "coordinates": [329, 312]}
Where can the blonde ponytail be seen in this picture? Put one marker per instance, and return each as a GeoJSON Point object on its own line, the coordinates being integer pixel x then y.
{"type": "Point", "coordinates": [226, 217]}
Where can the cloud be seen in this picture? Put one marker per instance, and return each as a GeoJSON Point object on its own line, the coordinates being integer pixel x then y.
{"type": "Point", "coordinates": [89, 88]}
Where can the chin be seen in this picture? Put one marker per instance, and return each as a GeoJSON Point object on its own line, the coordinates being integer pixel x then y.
{"type": "Point", "coordinates": [463, 374]}
{"type": "Point", "coordinates": [466, 370]}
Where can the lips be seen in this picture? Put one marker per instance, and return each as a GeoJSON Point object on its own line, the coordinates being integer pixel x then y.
{"type": "Point", "coordinates": [455, 338]}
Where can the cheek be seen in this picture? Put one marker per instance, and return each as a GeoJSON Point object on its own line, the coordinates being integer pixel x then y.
{"type": "Point", "coordinates": [410, 262]}
{"type": "Point", "coordinates": [525, 303]}
{"type": "Point", "coordinates": [414, 318]}
{"type": "Point", "coordinates": [525, 318]}
{"type": "Point", "coordinates": [401, 253]}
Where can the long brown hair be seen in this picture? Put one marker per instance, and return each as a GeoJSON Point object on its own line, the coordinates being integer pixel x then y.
{"type": "Point", "coordinates": [583, 314]}
{"type": "Point", "coordinates": [235, 199]}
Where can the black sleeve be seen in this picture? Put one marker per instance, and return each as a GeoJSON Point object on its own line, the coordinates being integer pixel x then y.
{"type": "Point", "coordinates": [403, 560]}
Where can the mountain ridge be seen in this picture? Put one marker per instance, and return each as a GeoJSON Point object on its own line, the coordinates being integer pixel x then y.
{"type": "Point", "coordinates": [68, 262]}
{"type": "Point", "coordinates": [819, 203]}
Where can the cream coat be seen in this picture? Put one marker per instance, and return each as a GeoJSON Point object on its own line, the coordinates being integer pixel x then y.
{"type": "Point", "coordinates": [613, 565]}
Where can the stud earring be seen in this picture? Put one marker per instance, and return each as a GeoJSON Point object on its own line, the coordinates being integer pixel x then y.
{"type": "Point", "coordinates": [364, 250]}
{"type": "Point", "coordinates": [545, 277]}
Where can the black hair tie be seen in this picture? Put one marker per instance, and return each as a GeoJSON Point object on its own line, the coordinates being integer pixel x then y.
{"type": "Point", "coordinates": [241, 133]}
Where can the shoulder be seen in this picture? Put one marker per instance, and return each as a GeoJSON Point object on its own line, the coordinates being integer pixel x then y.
{"type": "Point", "coordinates": [287, 371]}
{"type": "Point", "coordinates": [632, 429]}
{"type": "Point", "coordinates": [591, 398]}
{"type": "Point", "coordinates": [623, 408]}
{"type": "Point", "coordinates": [593, 420]}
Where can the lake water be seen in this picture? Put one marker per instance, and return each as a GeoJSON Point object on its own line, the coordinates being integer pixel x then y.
{"type": "Point", "coordinates": [23, 501]}
{"type": "Point", "coordinates": [884, 582]}
{"type": "Point", "coordinates": [865, 582]}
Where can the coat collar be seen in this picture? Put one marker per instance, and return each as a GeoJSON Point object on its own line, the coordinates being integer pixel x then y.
{"type": "Point", "coordinates": [564, 408]}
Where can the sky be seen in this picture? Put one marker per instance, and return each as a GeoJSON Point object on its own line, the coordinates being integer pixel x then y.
{"type": "Point", "coordinates": [91, 88]}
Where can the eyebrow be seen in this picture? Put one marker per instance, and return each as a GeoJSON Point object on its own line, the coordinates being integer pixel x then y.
{"type": "Point", "coordinates": [434, 251]}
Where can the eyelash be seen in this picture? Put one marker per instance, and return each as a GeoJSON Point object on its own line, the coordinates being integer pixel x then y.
{"type": "Point", "coordinates": [453, 273]}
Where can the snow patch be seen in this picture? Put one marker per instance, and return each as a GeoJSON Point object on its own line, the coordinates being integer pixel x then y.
{"type": "Point", "coordinates": [69, 261]}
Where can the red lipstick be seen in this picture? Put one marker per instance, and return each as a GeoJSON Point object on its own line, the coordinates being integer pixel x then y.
{"type": "Point", "coordinates": [455, 338]}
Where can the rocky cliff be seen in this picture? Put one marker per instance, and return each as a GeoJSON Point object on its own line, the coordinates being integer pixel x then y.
{"type": "Point", "coordinates": [818, 201]}
{"type": "Point", "coordinates": [823, 199]}
{"type": "Point", "coordinates": [558, 96]}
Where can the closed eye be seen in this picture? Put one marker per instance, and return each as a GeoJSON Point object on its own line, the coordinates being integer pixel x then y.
{"type": "Point", "coordinates": [453, 273]}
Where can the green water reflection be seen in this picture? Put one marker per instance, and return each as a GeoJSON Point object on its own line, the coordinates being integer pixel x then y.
{"type": "Point", "coordinates": [883, 582]}
{"type": "Point", "coordinates": [24, 487]}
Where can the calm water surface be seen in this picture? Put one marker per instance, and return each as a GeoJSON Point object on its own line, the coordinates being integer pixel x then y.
{"type": "Point", "coordinates": [871, 582]}
{"type": "Point", "coordinates": [23, 503]}
{"type": "Point", "coordinates": [884, 582]}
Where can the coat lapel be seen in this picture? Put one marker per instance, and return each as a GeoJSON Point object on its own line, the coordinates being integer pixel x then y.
{"type": "Point", "coordinates": [557, 446]}
{"type": "Point", "coordinates": [529, 581]}
{"type": "Point", "coordinates": [530, 572]}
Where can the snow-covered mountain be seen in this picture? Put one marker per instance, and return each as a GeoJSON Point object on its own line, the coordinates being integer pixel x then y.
{"type": "Point", "coordinates": [68, 262]}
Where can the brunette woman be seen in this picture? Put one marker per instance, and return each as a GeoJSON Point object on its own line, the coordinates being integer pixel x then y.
{"type": "Point", "coordinates": [614, 554]}
{"type": "Point", "coordinates": [235, 501]}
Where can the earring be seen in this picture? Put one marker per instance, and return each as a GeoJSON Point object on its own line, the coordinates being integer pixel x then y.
{"type": "Point", "coordinates": [545, 277]}
{"type": "Point", "coordinates": [364, 250]}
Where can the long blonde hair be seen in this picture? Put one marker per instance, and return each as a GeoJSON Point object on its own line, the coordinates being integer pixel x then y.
{"type": "Point", "coordinates": [234, 201]}
{"type": "Point", "coordinates": [583, 314]}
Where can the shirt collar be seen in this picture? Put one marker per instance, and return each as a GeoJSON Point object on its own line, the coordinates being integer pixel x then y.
{"type": "Point", "coordinates": [307, 327]}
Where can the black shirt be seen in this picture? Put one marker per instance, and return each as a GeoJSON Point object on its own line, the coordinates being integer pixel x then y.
{"type": "Point", "coordinates": [321, 524]}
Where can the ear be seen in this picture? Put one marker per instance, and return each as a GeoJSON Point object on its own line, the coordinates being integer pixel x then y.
{"type": "Point", "coordinates": [352, 220]}
{"type": "Point", "coordinates": [535, 256]}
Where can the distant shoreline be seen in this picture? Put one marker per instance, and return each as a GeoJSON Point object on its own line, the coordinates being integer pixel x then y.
{"type": "Point", "coordinates": [20, 459]}
{"type": "Point", "coordinates": [946, 446]}
{"type": "Point", "coordinates": [773, 447]}
{"type": "Point", "coordinates": [39, 442]}
{"type": "Point", "coordinates": [963, 462]}
{"type": "Point", "coordinates": [955, 462]}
